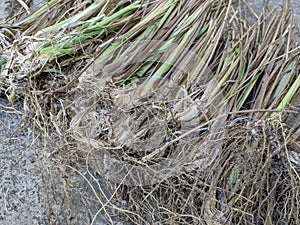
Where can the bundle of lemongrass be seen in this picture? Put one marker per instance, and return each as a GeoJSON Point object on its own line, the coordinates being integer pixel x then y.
{"type": "Point", "coordinates": [154, 89]}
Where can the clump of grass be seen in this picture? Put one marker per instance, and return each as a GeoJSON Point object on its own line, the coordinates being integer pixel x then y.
{"type": "Point", "coordinates": [180, 106]}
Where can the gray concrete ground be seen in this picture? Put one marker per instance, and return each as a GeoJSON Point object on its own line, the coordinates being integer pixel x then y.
{"type": "Point", "coordinates": [32, 191]}
{"type": "Point", "coordinates": [21, 188]}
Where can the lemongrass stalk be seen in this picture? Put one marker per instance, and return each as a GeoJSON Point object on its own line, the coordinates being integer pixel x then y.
{"type": "Point", "coordinates": [107, 20]}
{"type": "Point", "coordinates": [98, 27]}
{"type": "Point", "coordinates": [80, 36]}
{"type": "Point", "coordinates": [284, 80]}
{"type": "Point", "coordinates": [225, 77]}
{"type": "Point", "coordinates": [214, 34]}
{"type": "Point", "coordinates": [39, 12]}
{"type": "Point", "coordinates": [150, 60]}
{"type": "Point", "coordinates": [230, 95]}
{"type": "Point", "coordinates": [148, 33]}
{"type": "Point", "coordinates": [166, 65]}
{"type": "Point", "coordinates": [152, 17]}
{"type": "Point", "coordinates": [233, 92]}
{"type": "Point", "coordinates": [247, 92]}
{"type": "Point", "coordinates": [288, 97]}
{"type": "Point", "coordinates": [79, 17]}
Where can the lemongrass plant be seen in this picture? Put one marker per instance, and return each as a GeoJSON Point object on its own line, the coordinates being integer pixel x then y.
{"type": "Point", "coordinates": [202, 35]}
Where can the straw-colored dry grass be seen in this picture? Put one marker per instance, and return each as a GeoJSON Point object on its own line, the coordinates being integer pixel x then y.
{"type": "Point", "coordinates": [179, 105]}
